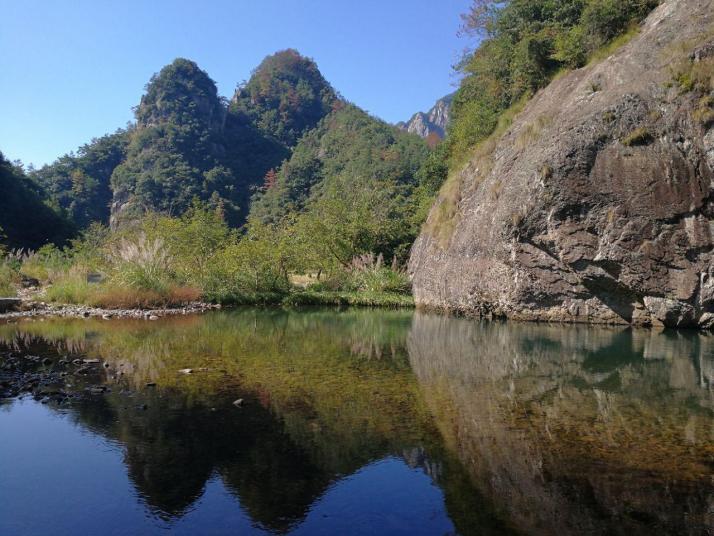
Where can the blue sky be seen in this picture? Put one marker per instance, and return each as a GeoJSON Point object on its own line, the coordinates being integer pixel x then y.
{"type": "Point", "coordinates": [72, 70]}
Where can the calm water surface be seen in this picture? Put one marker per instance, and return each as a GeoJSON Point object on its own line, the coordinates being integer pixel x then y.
{"type": "Point", "coordinates": [361, 422]}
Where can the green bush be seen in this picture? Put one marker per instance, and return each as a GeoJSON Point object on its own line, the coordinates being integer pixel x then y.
{"type": "Point", "coordinates": [73, 288]}
{"type": "Point", "coordinates": [9, 279]}
{"type": "Point", "coordinates": [569, 48]}
{"type": "Point", "coordinates": [46, 264]}
{"type": "Point", "coordinates": [526, 44]}
{"type": "Point", "coordinates": [366, 273]}
{"type": "Point", "coordinates": [163, 260]}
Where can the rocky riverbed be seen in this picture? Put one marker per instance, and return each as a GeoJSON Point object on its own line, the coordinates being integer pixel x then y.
{"type": "Point", "coordinates": [31, 309]}
{"type": "Point", "coordinates": [55, 381]}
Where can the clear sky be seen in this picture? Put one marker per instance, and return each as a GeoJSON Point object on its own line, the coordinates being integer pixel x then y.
{"type": "Point", "coordinates": [72, 70]}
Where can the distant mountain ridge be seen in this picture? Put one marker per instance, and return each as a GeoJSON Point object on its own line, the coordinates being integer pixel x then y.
{"type": "Point", "coordinates": [189, 144]}
{"type": "Point", "coordinates": [433, 122]}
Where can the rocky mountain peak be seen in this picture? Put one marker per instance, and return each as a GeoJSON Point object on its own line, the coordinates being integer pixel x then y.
{"type": "Point", "coordinates": [181, 92]}
{"type": "Point", "coordinates": [433, 122]}
{"type": "Point", "coordinates": [285, 96]}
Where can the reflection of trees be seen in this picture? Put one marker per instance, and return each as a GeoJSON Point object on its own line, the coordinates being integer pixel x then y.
{"type": "Point", "coordinates": [173, 447]}
{"type": "Point", "coordinates": [325, 393]}
{"type": "Point", "coordinates": [575, 429]}
{"type": "Point", "coordinates": [560, 428]}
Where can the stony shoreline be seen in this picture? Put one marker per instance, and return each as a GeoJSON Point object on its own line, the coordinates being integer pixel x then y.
{"type": "Point", "coordinates": [34, 309]}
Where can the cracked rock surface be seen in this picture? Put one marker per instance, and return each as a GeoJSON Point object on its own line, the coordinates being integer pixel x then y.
{"type": "Point", "coordinates": [573, 221]}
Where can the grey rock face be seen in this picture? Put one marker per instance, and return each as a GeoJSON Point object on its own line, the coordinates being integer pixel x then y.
{"type": "Point", "coordinates": [571, 220]}
{"type": "Point", "coordinates": [434, 121]}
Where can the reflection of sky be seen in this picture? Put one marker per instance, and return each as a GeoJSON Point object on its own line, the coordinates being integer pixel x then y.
{"type": "Point", "coordinates": [386, 497]}
{"type": "Point", "coordinates": [76, 483]}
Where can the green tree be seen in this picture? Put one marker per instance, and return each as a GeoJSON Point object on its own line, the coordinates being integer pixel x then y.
{"type": "Point", "coordinates": [26, 216]}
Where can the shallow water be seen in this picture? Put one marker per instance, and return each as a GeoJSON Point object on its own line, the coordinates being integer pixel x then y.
{"type": "Point", "coordinates": [361, 422]}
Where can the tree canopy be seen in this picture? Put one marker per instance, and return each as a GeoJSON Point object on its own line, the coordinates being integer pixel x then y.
{"type": "Point", "coordinates": [26, 219]}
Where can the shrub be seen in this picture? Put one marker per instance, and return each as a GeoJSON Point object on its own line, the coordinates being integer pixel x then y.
{"type": "Point", "coordinates": [142, 263]}
{"type": "Point", "coordinates": [569, 48]}
{"type": "Point", "coordinates": [9, 279]}
{"type": "Point", "coordinates": [368, 273]}
{"type": "Point", "coordinates": [73, 288]}
{"type": "Point", "coordinates": [704, 112]}
{"type": "Point", "coordinates": [46, 264]}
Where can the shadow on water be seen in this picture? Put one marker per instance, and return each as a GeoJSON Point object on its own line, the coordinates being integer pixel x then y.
{"type": "Point", "coordinates": [524, 428]}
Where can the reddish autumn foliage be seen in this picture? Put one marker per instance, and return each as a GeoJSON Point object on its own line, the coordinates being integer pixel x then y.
{"type": "Point", "coordinates": [270, 179]}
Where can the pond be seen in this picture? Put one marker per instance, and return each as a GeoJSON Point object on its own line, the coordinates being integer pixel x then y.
{"type": "Point", "coordinates": [356, 422]}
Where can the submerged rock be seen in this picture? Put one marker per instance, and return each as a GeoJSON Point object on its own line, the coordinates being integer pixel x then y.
{"type": "Point", "coordinates": [596, 205]}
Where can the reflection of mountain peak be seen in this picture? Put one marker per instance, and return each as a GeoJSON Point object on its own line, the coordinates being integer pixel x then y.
{"type": "Point", "coordinates": [539, 428]}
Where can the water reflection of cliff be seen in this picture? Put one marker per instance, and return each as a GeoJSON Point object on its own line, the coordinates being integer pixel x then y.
{"type": "Point", "coordinates": [576, 430]}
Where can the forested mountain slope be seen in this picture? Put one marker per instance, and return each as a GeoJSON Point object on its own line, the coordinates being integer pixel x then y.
{"type": "Point", "coordinates": [284, 135]}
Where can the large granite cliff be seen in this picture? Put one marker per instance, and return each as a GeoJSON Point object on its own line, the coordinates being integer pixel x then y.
{"type": "Point", "coordinates": [597, 204]}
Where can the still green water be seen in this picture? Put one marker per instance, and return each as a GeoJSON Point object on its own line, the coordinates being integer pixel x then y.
{"type": "Point", "coordinates": [362, 422]}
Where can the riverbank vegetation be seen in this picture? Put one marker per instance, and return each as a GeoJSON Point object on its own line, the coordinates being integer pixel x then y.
{"type": "Point", "coordinates": [170, 261]}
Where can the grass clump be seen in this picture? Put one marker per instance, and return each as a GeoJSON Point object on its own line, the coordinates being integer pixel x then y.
{"type": "Point", "coordinates": [10, 277]}
{"type": "Point", "coordinates": [704, 113]}
{"type": "Point", "coordinates": [639, 136]}
{"type": "Point", "coordinates": [9, 280]}
{"type": "Point", "coordinates": [367, 274]}
{"type": "Point", "coordinates": [532, 131]}
{"type": "Point", "coordinates": [112, 297]}
{"type": "Point", "coordinates": [693, 75]}
{"type": "Point", "coordinates": [71, 288]}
